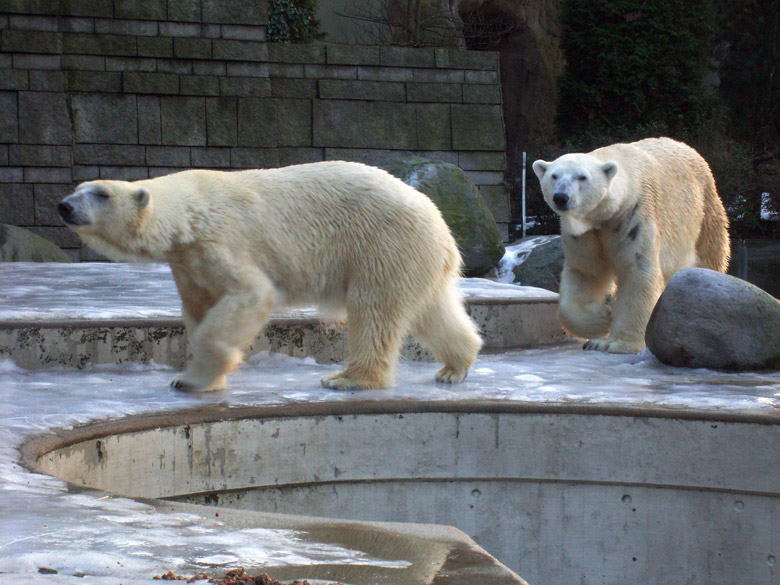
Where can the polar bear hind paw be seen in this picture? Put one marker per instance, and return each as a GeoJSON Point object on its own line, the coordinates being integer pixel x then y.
{"type": "Point", "coordinates": [184, 383]}
{"type": "Point", "coordinates": [449, 375]}
{"type": "Point", "coordinates": [612, 346]}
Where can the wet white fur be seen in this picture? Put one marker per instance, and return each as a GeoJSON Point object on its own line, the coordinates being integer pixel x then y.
{"type": "Point", "coordinates": [346, 236]}
{"type": "Point", "coordinates": [661, 188]}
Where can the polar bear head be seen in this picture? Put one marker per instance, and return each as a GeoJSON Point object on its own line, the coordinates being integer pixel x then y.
{"type": "Point", "coordinates": [107, 215]}
{"type": "Point", "coordinates": [575, 186]}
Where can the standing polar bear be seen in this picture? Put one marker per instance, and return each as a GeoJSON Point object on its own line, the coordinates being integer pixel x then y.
{"type": "Point", "coordinates": [636, 214]}
{"type": "Point", "coordinates": [339, 234]}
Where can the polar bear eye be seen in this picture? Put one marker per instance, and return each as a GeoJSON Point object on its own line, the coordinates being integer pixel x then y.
{"type": "Point", "coordinates": [100, 194]}
{"type": "Point", "coordinates": [554, 177]}
{"type": "Point", "coordinates": [582, 178]}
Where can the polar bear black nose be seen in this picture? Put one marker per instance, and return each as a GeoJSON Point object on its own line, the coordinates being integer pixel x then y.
{"type": "Point", "coordinates": [560, 199]}
{"type": "Point", "coordinates": [65, 209]}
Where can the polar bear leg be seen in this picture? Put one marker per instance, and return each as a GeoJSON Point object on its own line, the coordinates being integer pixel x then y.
{"type": "Point", "coordinates": [447, 330]}
{"type": "Point", "coordinates": [581, 306]}
{"type": "Point", "coordinates": [226, 328]}
{"type": "Point", "coordinates": [374, 334]}
{"type": "Point", "coordinates": [637, 294]}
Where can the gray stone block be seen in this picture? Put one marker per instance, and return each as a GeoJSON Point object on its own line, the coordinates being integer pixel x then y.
{"type": "Point", "coordinates": [482, 161]}
{"type": "Point", "coordinates": [433, 127]}
{"type": "Point", "coordinates": [184, 10]}
{"type": "Point", "coordinates": [183, 121]}
{"type": "Point", "coordinates": [131, 64]}
{"type": "Point", "coordinates": [179, 29]}
{"type": "Point", "coordinates": [257, 122]}
{"type": "Point", "coordinates": [216, 68]}
{"type": "Point", "coordinates": [47, 81]}
{"type": "Point", "coordinates": [93, 8]}
{"type": "Point", "coordinates": [385, 73]}
{"type": "Point", "coordinates": [245, 86]}
{"type": "Point", "coordinates": [243, 33]}
{"type": "Point", "coordinates": [362, 90]}
{"type": "Point", "coordinates": [14, 80]}
{"type": "Point", "coordinates": [352, 55]}
{"type": "Point", "coordinates": [210, 158]}
{"type": "Point", "coordinates": [222, 122]}
{"type": "Point", "coordinates": [250, 69]}
{"type": "Point", "coordinates": [283, 53]}
{"type": "Point", "coordinates": [459, 59]}
{"type": "Point", "coordinates": [124, 173]}
{"type": "Point", "coordinates": [299, 156]}
{"type": "Point", "coordinates": [26, 41]}
{"type": "Point", "coordinates": [438, 76]}
{"type": "Point", "coordinates": [4, 155]}
{"type": "Point", "coordinates": [482, 94]}
{"type": "Point", "coordinates": [199, 85]}
{"type": "Point", "coordinates": [354, 124]}
{"type": "Point", "coordinates": [177, 66]}
{"type": "Point", "coordinates": [294, 88]}
{"type": "Point", "coordinates": [126, 27]}
{"type": "Point", "coordinates": [477, 127]}
{"type": "Point", "coordinates": [84, 62]}
{"type": "Point", "coordinates": [192, 48]}
{"type": "Point", "coordinates": [75, 24]}
{"type": "Point", "coordinates": [83, 173]}
{"type": "Point", "coordinates": [149, 127]}
{"type": "Point", "coordinates": [240, 50]}
{"type": "Point", "coordinates": [94, 81]}
{"type": "Point", "coordinates": [234, 12]}
{"type": "Point", "coordinates": [11, 175]}
{"type": "Point", "coordinates": [108, 154]}
{"type": "Point", "coordinates": [155, 83]}
{"type": "Point", "coordinates": [330, 71]}
{"type": "Point", "coordinates": [434, 92]}
{"type": "Point", "coordinates": [44, 118]}
{"type": "Point", "coordinates": [155, 46]}
{"type": "Point", "coordinates": [142, 9]}
{"type": "Point", "coordinates": [254, 158]}
{"type": "Point", "coordinates": [482, 77]}
{"type": "Point", "coordinates": [294, 70]}
{"type": "Point", "coordinates": [16, 204]}
{"type": "Point", "coordinates": [168, 156]}
{"type": "Point", "coordinates": [403, 57]}
{"type": "Point", "coordinates": [31, 61]}
{"type": "Point", "coordinates": [98, 44]}
{"type": "Point", "coordinates": [28, 155]}
{"type": "Point", "coordinates": [9, 120]}
{"type": "Point", "coordinates": [294, 122]}
{"type": "Point", "coordinates": [46, 198]}
{"type": "Point", "coordinates": [47, 175]}
{"type": "Point", "coordinates": [61, 236]}
{"type": "Point", "coordinates": [29, 22]}
{"type": "Point", "coordinates": [486, 177]}
{"type": "Point", "coordinates": [105, 118]}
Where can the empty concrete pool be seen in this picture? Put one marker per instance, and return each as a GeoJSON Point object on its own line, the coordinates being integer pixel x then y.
{"type": "Point", "coordinates": [561, 495]}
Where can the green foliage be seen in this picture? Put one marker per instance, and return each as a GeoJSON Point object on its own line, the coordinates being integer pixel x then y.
{"type": "Point", "coordinates": [293, 21]}
{"type": "Point", "coordinates": [633, 62]}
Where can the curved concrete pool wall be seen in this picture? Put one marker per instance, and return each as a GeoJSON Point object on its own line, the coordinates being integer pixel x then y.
{"type": "Point", "coordinates": [561, 495]}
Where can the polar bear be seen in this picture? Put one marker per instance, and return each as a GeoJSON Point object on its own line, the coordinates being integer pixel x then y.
{"type": "Point", "coordinates": [631, 214]}
{"type": "Point", "coordinates": [343, 235]}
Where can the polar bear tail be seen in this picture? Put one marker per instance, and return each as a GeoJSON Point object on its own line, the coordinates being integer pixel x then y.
{"type": "Point", "coordinates": [713, 247]}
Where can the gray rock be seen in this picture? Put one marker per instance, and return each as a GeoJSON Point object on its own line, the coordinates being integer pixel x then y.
{"type": "Point", "coordinates": [462, 206]}
{"type": "Point", "coordinates": [21, 245]}
{"type": "Point", "coordinates": [543, 263]}
{"type": "Point", "coordinates": [705, 319]}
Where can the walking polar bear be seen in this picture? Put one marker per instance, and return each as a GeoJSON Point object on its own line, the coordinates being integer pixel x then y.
{"type": "Point", "coordinates": [342, 235]}
{"type": "Point", "coordinates": [633, 214]}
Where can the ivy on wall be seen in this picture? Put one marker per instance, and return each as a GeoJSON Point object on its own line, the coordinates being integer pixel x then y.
{"type": "Point", "coordinates": [293, 21]}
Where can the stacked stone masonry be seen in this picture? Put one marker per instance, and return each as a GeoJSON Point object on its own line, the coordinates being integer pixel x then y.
{"type": "Point", "coordinates": [136, 89]}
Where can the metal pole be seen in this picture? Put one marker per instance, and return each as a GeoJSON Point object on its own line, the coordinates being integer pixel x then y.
{"type": "Point", "coordinates": [523, 191]}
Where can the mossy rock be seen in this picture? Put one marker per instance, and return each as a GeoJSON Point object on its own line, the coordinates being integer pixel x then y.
{"type": "Point", "coordinates": [21, 245]}
{"type": "Point", "coordinates": [462, 206]}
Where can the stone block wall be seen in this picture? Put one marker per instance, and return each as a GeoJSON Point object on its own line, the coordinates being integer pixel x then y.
{"type": "Point", "coordinates": [136, 89]}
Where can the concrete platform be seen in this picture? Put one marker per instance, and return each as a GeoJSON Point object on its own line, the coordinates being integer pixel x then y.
{"type": "Point", "coordinates": [554, 464]}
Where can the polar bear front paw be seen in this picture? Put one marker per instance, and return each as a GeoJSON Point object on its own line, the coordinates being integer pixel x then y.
{"type": "Point", "coordinates": [339, 381]}
{"type": "Point", "coordinates": [613, 346]}
{"type": "Point", "coordinates": [449, 375]}
{"type": "Point", "coordinates": [185, 383]}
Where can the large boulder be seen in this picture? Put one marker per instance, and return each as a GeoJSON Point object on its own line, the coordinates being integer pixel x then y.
{"type": "Point", "coordinates": [21, 245]}
{"type": "Point", "coordinates": [535, 261]}
{"type": "Point", "coordinates": [705, 319]}
{"type": "Point", "coordinates": [462, 206]}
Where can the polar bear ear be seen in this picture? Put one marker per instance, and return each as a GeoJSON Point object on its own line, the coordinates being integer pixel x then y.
{"type": "Point", "coordinates": [142, 196]}
{"type": "Point", "coordinates": [610, 169]}
{"type": "Point", "coordinates": [540, 167]}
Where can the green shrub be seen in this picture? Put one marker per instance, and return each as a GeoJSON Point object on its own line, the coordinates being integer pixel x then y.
{"type": "Point", "coordinates": [293, 21]}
